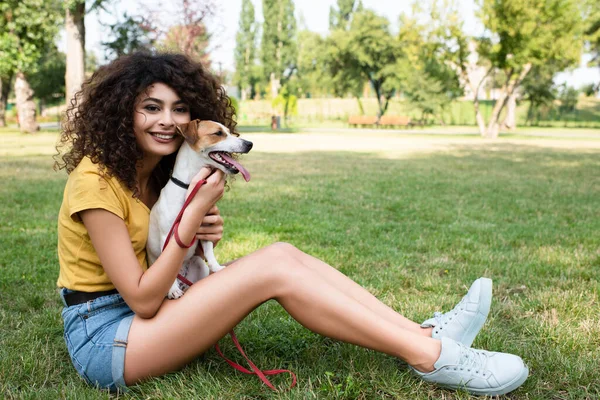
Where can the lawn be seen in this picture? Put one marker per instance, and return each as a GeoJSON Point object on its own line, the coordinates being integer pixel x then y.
{"type": "Point", "coordinates": [415, 228]}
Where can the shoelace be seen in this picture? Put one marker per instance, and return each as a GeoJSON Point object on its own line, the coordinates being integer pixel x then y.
{"type": "Point", "coordinates": [472, 360]}
{"type": "Point", "coordinates": [441, 319]}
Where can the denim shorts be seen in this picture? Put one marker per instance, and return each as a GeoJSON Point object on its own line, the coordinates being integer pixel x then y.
{"type": "Point", "coordinates": [96, 337]}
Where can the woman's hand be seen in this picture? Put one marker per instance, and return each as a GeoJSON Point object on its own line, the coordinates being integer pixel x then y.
{"type": "Point", "coordinates": [211, 228]}
{"type": "Point", "coordinates": [210, 192]}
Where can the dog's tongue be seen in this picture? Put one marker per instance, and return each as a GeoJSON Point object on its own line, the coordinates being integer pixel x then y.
{"type": "Point", "coordinates": [239, 167]}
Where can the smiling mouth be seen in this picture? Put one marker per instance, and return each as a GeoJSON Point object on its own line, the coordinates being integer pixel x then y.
{"type": "Point", "coordinates": [229, 163]}
{"type": "Point", "coordinates": [162, 136]}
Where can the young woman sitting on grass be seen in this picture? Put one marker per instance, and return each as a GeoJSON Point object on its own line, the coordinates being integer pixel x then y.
{"type": "Point", "coordinates": [119, 327]}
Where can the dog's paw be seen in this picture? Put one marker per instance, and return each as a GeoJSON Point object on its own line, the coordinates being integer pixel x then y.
{"type": "Point", "coordinates": [175, 294]}
{"type": "Point", "coordinates": [215, 267]}
{"type": "Point", "coordinates": [175, 291]}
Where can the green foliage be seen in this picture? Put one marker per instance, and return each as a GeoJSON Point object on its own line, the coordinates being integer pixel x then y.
{"type": "Point", "coordinates": [286, 102]}
{"type": "Point", "coordinates": [538, 89]}
{"type": "Point", "coordinates": [592, 30]}
{"type": "Point", "coordinates": [312, 74]}
{"type": "Point", "coordinates": [245, 49]}
{"type": "Point", "coordinates": [129, 34]}
{"type": "Point", "coordinates": [27, 29]}
{"type": "Point", "coordinates": [423, 73]}
{"type": "Point", "coordinates": [278, 44]}
{"type": "Point", "coordinates": [366, 52]}
{"type": "Point", "coordinates": [590, 89]}
{"type": "Point", "coordinates": [235, 103]}
{"type": "Point", "coordinates": [342, 67]}
{"type": "Point", "coordinates": [531, 31]}
{"type": "Point", "coordinates": [340, 17]}
{"type": "Point", "coordinates": [568, 99]}
{"type": "Point", "coordinates": [48, 83]}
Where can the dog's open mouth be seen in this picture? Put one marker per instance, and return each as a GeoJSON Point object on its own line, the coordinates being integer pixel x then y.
{"type": "Point", "coordinates": [228, 162]}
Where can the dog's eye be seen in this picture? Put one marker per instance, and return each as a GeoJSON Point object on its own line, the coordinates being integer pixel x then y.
{"type": "Point", "coordinates": [218, 133]}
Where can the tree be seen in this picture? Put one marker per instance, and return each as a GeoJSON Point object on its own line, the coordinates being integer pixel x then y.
{"type": "Point", "coordinates": [568, 97]}
{"type": "Point", "coordinates": [29, 29]}
{"type": "Point", "coordinates": [278, 45]}
{"type": "Point", "coordinates": [311, 64]}
{"type": "Point", "coordinates": [75, 11]}
{"type": "Point", "coordinates": [520, 34]}
{"type": "Point", "coordinates": [48, 83]}
{"type": "Point", "coordinates": [372, 51]}
{"type": "Point", "coordinates": [592, 34]}
{"type": "Point", "coordinates": [245, 50]}
{"type": "Point", "coordinates": [131, 33]}
{"type": "Point", "coordinates": [190, 36]}
{"type": "Point", "coordinates": [422, 73]}
{"type": "Point", "coordinates": [75, 35]}
{"type": "Point", "coordinates": [340, 17]}
{"type": "Point", "coordinates": [539, 91]}
{"type": "Point", "coordinates": [343, 69]}
{"type": "Point", "coordinates": [189, 39]}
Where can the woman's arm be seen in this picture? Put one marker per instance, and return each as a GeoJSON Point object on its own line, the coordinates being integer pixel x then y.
{"type": "Point", "coordinates": [143, 291]}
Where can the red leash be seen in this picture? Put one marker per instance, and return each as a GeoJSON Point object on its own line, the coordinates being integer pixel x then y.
{"type": "Point", "coordinates": [255, 370]}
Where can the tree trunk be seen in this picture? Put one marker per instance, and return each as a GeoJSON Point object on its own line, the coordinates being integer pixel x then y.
{"type": "Point", "coordinates": [509, 88]}
{"type": "Point", "coordinates": [493, 128]}
{"type": "Point", "coordinates": [360, 106]}
{"type": "Point", "coordinates": [4, 89]}
{"type": "Point", "coordinates": [479, 117]}
{"type": "Point", "coordinates": [274, 83]}
{"type": "Point", "coordinates": [510, 122]}
{"type": "Point", "coordinates": [75, 33]}
{"type": "Point", "coordinates": [25, 105]}
{"type": "Point", "coordinates": [475, 89]}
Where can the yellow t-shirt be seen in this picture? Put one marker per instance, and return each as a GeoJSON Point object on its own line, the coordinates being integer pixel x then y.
{"type": "Point", "coordinates": [86, 188]}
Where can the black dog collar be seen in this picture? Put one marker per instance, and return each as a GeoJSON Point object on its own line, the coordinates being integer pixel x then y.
{"type": "Point", "coordinates": [179, 183]}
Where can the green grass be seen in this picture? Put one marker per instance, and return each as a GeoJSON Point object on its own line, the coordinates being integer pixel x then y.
{"type": "Point", "coordinates": [414, 229]}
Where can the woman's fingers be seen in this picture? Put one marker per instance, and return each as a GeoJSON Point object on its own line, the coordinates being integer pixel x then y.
{"type": "Point", "coordinates": [203, 174]}
{"type": "Point", "coordinates": [212, 219]}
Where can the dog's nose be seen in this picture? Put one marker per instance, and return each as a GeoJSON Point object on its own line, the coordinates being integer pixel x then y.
{"type": "Point", "coordinates": [248, 144]}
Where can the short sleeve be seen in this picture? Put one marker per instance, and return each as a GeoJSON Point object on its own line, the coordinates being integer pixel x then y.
{"type": "Point", "coordinates": [89, 189]}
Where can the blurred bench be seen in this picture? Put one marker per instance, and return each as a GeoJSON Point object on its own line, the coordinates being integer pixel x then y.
{"type": "Point", "coordinates": [357, 120]}
{"type": "Point", "coordinates": [395, 120]}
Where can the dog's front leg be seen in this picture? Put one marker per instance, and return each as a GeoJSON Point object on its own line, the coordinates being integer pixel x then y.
{"type": "Point", "coordinates": [213, 264]}
{"type": "Point", "coordinates": [197, 269]}
{"type": "Point", "coordinates": [193, 270]}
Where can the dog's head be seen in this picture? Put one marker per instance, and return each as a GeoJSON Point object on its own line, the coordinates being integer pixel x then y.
{"type": "Point", "coordinates": [213, 141]}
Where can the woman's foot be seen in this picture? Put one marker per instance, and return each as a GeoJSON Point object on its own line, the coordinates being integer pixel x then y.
{"type": "Point", "coordinates": [479, 372]}
{"type": "Point", "coordinates": [465, 320]}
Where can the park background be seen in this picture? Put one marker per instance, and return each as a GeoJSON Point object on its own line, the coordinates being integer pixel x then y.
{"type": "Point", "coordinates": [488, 166]}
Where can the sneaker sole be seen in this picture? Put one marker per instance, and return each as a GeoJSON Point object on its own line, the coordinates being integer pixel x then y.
{"type": "Point", "coordinates": [509, 387]}
{"type": "Point", "coordinates": [485, 302]}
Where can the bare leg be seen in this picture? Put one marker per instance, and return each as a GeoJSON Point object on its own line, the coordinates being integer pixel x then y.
{"type": "Point", "coordinates": [213, 306]}
{"type": "Point", "coordinates": [357, 292]}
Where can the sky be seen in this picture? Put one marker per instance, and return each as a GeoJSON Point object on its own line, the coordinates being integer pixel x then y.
{"type": "Point", "coordinates": [314, 13]}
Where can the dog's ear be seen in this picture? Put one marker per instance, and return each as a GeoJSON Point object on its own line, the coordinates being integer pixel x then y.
{"type": "Point", "coordinates": [189, 131]}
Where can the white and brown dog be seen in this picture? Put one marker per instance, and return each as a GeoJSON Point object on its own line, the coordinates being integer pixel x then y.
{"type": "Point", "coordinates": [207, 143]}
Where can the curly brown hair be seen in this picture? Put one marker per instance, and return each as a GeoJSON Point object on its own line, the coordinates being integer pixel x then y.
{"type": "Point", "coordinates": [99, 119]}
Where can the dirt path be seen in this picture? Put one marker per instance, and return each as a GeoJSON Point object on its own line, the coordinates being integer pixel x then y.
{"type": "Point", "coordinates": [394, 144]}
{"type": "Point", "coordinates": [390, 144]}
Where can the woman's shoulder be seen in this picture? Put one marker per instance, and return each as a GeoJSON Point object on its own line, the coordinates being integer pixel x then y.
{"type": "Point", "coordinates": [87, 167]}
{"type": "Point", "coordinates": [88, 175]}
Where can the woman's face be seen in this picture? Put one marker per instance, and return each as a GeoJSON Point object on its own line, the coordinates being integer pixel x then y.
{"type": "Point", "coordinates": [158, 110]}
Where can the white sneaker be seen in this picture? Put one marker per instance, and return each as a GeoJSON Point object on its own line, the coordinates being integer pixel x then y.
{"type": "Point", "coordinates": [465, 320]}
{"type": "Point", "coordinates": [479, 372]}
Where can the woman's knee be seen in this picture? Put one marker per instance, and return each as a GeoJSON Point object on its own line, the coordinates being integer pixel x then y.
{"type": "Point", "coordinates": [284, 248]}
{"type": "Point", "coordinates": [284, 264]}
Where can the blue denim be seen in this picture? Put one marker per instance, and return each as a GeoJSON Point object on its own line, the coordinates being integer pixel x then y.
{"type": "Point", "coordinates": [96, 337]}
